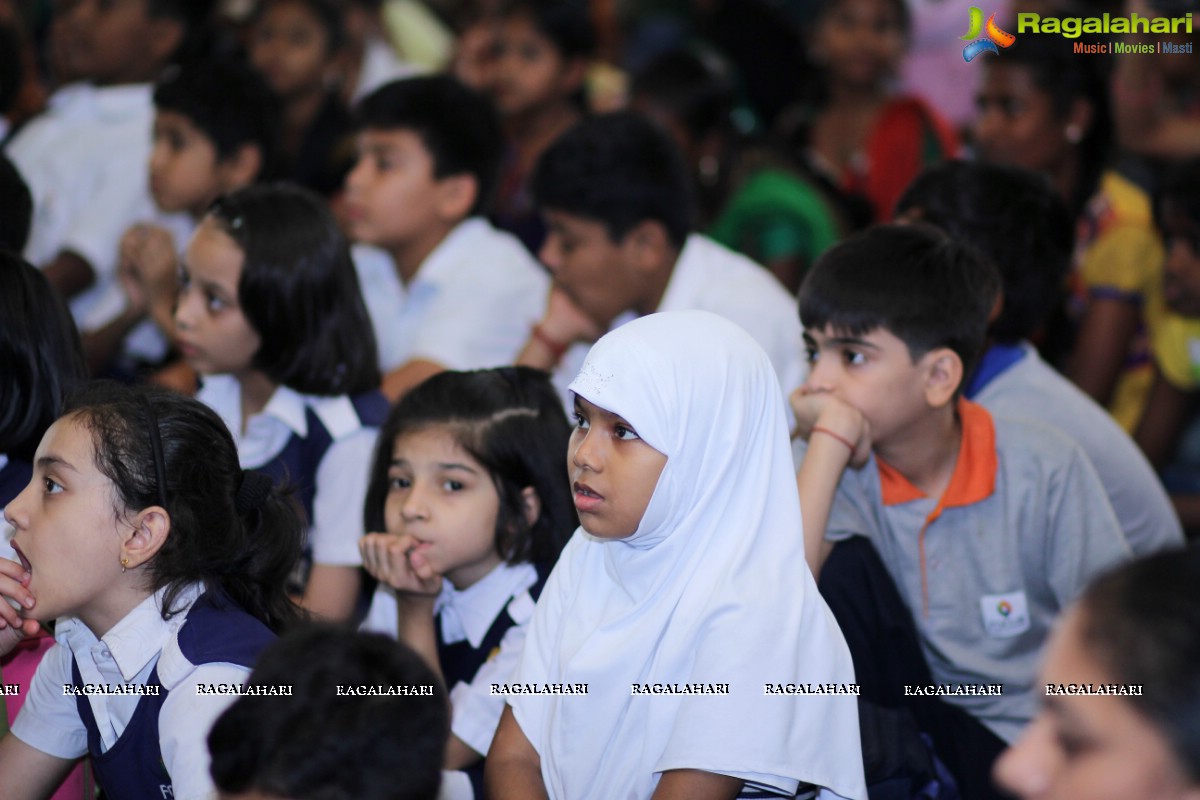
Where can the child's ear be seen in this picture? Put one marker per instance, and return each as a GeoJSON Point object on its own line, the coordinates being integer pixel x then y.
{"type": "Point", "coordinates": [648, 246]}
{"type": "Point", "coordinates": [456, 196]}
{"type": "Point", "coordinates": [241, 168]}
{"type": "Point", "coordinates": [531, 504]}
{"type": "Point", "coordinates": [942, 374]}
{"type": "Point", "coordinates": [148, 534]}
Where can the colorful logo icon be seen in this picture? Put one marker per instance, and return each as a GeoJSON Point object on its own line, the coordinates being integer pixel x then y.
{"type": "Point", "coordinates": [995, 39]}
{"type": "Point", "coordinates": [1004, 608]}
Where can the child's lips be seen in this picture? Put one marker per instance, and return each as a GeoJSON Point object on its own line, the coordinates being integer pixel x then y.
{"type": "Point", "coordinates": [24, 560]}
{"type": "Point", "coordinates": [586, 498]}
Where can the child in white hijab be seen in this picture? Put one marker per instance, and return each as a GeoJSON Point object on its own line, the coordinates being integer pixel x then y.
{"type": "Point", "coordinates": [711, 663]}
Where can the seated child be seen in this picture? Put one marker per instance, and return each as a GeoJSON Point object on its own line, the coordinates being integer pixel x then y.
{"type": "Point", "coordinates": [296, 46]}
{"type": "Point", "coordinates": [452, 292]}
{"type": "Point", "coordinates": [854, 128]}
{"type": "Point", "coordinates": [986, 528]}
{"type": "Point", "coordinates": [1138, 626]}
{"type": "Point", "coordinates": [617, 202]}
{"type": "Point", "coordinates": [468, 485]}
{"type": "Point", "coordinates": [271, 316]}
{"type": "Point", "coordinates": [320, 742]}
{"type": "Point", "coordinates": [1011, 380]}
{"type": "Point", "coordinates": [542, 53]}
{"type": "Point", "coordinates": [85, 158]}
{"type": "Point", "coordinates": [685, 584]}
{"type": "Point", "coordinates": [216, 129]}
{"type": "Point", "coordinates": [163, 564]}
{"type": "Point", "coordinates": [1164, 432]}
{"type": "Point", "coordinates": [1043, 108]}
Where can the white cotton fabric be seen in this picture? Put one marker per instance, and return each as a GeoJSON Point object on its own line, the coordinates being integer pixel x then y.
{"type": "Point", "coordinates": [712, 587]}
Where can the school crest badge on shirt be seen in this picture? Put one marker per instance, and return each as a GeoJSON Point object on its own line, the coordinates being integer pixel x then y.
{"type": "Point", "coordinates": [1004, 615]}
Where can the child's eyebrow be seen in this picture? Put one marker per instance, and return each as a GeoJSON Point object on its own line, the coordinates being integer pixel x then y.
{"type": "Point", "coordinates": [51, 461]}
{"type": "Point", "coordinates": [462, 467]}
{"type": "Point", "coordinates": [854, 341]}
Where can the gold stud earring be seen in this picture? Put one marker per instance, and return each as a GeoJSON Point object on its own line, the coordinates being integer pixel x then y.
{"type": "Point", "coordinates": [124, 564]}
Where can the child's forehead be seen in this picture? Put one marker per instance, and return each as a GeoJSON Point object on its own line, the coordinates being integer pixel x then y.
{"type": "Point", "coordinates": [838, 333]}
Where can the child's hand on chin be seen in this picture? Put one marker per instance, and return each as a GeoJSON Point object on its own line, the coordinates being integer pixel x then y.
{"type": "Point", "coordinates": [820, 409]}
{"type": "Point", "coordinates": [566, 322]}
{"type": "Point", "coordinates": [13, 580]}
{"type": "Point", "coordinates": [399, 562]}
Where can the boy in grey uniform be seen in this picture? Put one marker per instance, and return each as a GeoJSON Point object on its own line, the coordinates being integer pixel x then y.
{"type": "Point", "coordinates": [984, 529]}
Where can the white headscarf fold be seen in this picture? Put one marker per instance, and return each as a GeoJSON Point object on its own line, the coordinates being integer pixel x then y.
{"type": "Point", "coordinates": [711, 588]}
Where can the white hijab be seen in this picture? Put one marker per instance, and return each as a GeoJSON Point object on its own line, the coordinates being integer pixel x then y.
{"type": "Point", "coordinates": [711, 588]}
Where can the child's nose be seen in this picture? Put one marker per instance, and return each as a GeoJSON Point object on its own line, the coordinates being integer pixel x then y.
{"type": "Point", "coordinates": [584, 454]}
{"type": "Point", "coordinates": [550, 253]}
{"type": "Point", "coordinates": [1024, 769]}
{"type": "Point", "coordinates": [414, 507]}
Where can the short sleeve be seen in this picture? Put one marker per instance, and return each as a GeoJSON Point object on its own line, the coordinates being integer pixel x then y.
{"type": "Point", "coordinates": [184, 722]}
{"type": "Point", "coordinates": [1123, 263]}
{"type": "Point", "coordinates": [49, 721]}
{"type": "Point", "coordinates": [338, 505]}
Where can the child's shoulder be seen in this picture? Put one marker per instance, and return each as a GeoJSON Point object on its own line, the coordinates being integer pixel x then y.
{"type": "Point", "coordinates": [476, 248]}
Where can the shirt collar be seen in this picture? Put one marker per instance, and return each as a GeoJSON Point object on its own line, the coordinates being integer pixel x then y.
{"type": "Point", "coordinates": [139, 636]}
{"type": "Point", "coordinates": [469, 613]}
{"type": "Point", "coordinates": [994, 362]}
{"type": "Point", "coordinates": [118, 103]}
{"type": "Point", "coordinates": [974, 477]}
{"type": "Point", "coordinates": [223, 394]}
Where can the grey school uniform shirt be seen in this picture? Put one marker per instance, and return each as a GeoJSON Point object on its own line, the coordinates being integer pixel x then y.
{"type": "Point", "coordinates": [1029, 388]}
{"type": "Point", "coordinates": [1021, 529]}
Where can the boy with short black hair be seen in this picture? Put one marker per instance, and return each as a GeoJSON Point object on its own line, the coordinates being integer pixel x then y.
{"type": "Point", "coordinates": [617, 201]}
{"type": "Point", "coordinates": [448, 291]}
{"type": "Point", "coordinates": [363, 718]}
{"type": "Point", "coordinates": [1032, 253]}
{"type": "Point", "coordinates": [216, 129]}
{"type": "Point", "coordinates": [85, 161]}
{"type": "Point", "coordinates": [984, 528]}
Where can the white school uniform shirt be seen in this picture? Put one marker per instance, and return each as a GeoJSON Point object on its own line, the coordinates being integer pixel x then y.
{"type": "Point", "coordinates": [711, 588]}
{"type": "Point", "coordinates": [341, 479]}
{"type": "Point", "coordinates": [86, 164]}
{"type": "Point", "coordinates": [49, 721]}
{"type": "Point", "coordinates": [468, 614]}
{"type": "Point", "coordinates": [471, 304]}
{"type": "Point", "coordinates": [711, 277]}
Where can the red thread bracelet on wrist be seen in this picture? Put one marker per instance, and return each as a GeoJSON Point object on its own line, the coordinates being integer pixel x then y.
{"type": "Point", "coordinates": [838, 436]}
{"type": "Point", "coordinates": [556, 348]}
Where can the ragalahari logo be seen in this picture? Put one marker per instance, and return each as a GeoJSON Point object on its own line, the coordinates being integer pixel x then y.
{"type": "Point", "coordinates": [995, 36]}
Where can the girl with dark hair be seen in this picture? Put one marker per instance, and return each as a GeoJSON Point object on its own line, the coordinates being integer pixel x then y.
{"type": "Point", "coordinates": [542, 54]}
{"type": "Point", "coordinates": [1135, 634]}
{"type": "Point", "coordinates": [1045, 109]}
{"type": "Point", "coordinates": [468, 484]}
{"type": "Point", "coordinates": [869, 141]}
{"type": "Point", "coordinates": [164, 564]}
{"type": "Point", "coordinates": [270, 314]}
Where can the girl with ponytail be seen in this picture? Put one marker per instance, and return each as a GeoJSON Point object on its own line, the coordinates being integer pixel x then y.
{"type": "Point", "coordinates": [164, 564]}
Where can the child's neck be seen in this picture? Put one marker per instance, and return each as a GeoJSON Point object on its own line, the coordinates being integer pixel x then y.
{"type": "Point", "coordinates": [257, 390]}
{"type": "Point", "coordinates": [926, 453]}
{"type": "Point", "coordinates": [1065, 176]}
{"type": "Point", "coordinates": [407, 257]}
{"type": "Point", "coordinates": [655, 286]}
{"type": "Point", "coordinates": [102, 616]}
